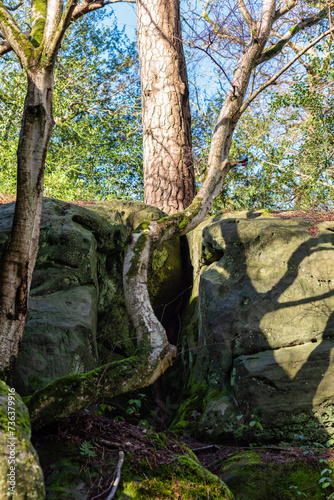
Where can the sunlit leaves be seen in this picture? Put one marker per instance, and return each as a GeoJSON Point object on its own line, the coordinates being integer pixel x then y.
{"type": "Point", "coordinates": [95, 150]}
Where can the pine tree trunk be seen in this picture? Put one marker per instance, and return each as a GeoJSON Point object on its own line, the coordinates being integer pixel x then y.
{"type": "Point", "coordinates": [169, 181]}
{"type": "Point", "coordinates": [20, 256]}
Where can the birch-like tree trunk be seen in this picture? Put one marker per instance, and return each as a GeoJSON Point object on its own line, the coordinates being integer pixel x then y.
{"type": "Point", "coordinates": [37, 55]}
{"type": "Point", "coordinates": [20, 257]}
{"type": "Point", "coordinates": [169, 181]}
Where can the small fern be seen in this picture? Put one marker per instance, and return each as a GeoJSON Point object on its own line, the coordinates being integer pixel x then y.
{"type": "Point", "coordinates": [87, 449]}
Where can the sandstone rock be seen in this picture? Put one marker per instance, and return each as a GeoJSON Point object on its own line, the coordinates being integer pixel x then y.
{"type": "Point", "coordinates": [261, 323]}
{"type": "Point", "coordinates": [77, 318]}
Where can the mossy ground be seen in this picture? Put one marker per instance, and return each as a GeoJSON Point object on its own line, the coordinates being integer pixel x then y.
{"type": "Point", "coordinates": [80, 454]}
{"type": "Point", "coordinates": [280, 473]}
{"type": "Point", "coordinates": [155, 466]}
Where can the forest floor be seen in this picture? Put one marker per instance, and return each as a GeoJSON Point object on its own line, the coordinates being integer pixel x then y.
{"type": "Point", "coordinates": [107, 438]}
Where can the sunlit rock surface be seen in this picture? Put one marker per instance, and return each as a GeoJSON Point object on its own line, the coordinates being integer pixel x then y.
{"type": "Point", "coordinates": [259, 329]}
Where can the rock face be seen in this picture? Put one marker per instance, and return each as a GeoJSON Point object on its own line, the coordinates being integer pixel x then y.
{"type": "Point", "coordinates": [258, 332]}
{"type": "Point", "coordinates": [260, 327]}
{"type": "Point", "coordinates": [77, 318]}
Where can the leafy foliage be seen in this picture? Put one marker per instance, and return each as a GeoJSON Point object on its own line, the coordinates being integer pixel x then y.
{"type": "Point", "coordinates": [95, 150]}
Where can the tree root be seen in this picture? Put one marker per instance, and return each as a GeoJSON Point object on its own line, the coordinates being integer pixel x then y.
{"type": "Point", "coordinates": [73, 393]}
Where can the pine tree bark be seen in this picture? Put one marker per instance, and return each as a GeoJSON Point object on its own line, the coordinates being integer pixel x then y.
{"type": "Point", "coordinates": [169, 181]}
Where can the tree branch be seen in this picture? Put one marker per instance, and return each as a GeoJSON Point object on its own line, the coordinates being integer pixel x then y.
{"type": "Point", "coordinates": [72, 393]}
{"type": "Point", "coordinates": [297, 49]}
{"type": "Point", "coordinates": [289, 5]}
{"type": "Point", "coordinates": [53, 17]}
{"type": "Point", "coordinates": [118, 476]}
{"type": "Point", "coordinates": [86, 7]}
{"type": "Point", "coordinates": [5, 47]}
{"type": "Point", "coordinates": [304, 23]}
{"type": "Point", "coordinates": [279, 73]}
{"type": "Point", "coordinates": [65, 20]}
{"type": "Point", "coordinates": [206, 51]}
{"type": "Point", "coordinates": [15, 7]}
{"type": "Point", "coordinates": [14, 36]}
{"type": "Point", "coordinates": [79, 10]}
{"type": "Point", "coordinates": [220, 33]}
{"type": "Point", "coordinates": [246, 15]}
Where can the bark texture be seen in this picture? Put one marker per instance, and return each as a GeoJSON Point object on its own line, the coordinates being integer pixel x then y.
{"type": "Point", "coordinates": [37, 56]}
{"type": "Point", "coordinates": [169, 181]}
{"type": "Point", "coordinates": [19, 259]}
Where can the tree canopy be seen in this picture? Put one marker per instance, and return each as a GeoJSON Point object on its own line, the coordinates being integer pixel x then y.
{"type": "Point", "coordinates": [96, 111]}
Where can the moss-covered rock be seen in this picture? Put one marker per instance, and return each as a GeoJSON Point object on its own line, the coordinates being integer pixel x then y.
{"type": "Point", "coordinates": [259, 327]}
{"type": "Point", "coordinates": [77, 318]}
{"type": "Point", "coordinates": [21, 477]}
{"type": "Point", "coordinates": [185, 478]}
{"type": "Point", "coordinates": [250, 477]}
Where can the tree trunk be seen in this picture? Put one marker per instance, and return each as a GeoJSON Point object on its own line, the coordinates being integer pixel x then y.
{"type": "Point", "coordinates": [169, 181]}
{"type": "Point", "coordinates": [20, 256]}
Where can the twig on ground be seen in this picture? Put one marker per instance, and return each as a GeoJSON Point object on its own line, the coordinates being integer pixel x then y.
{"type": "Point", "coordinates": [118, 476]}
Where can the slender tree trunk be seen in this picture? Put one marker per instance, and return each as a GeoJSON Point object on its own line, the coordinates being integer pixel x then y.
{"type": "Point", "coordinates": [169, 181]}
{"type": "Point", "coordinates": [20, 256]}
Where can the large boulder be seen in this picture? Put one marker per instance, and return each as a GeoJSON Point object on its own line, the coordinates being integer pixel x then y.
{"type": "Point", "coordinates": [259, 328]}
{"type": "Point", "coordinates": [77, 318]}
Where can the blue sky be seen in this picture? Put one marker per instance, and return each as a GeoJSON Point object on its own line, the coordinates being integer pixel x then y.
{"type": "Point", "coordinates": [126, 16]}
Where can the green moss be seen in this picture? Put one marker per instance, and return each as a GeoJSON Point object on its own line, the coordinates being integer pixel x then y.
{"type": "Point", "coordinates": [215, 393]}
{"type": "Point", "coordinates": [25, 46]}
{"type": "Point", "coordinates": [39, 8]}
{"type": "Point", "coordinates": [15, 432]}
{"type": "Point", "coordinates": [190, 213]}
{"type": "Point", "coordinates": [72, 393]}
{"type": "Point", "coordinates": [193, 403]}
{"type": "Point", "coordinates": [183, 478]}
{"type": "Point", "coordinates": [158, 439]}
{"type": "Point", "coordinates": [22, 422]}
{"type": "Point", "coordinates": [251, 478]}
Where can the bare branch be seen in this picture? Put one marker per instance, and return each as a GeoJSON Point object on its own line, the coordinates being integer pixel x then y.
{"type": "Point", "coordinates": [86, 7]}
{"type": "Point", "coordinates": [118, 475]}
{"type": "Point", "coordinates": [304, 23]}
{"type": "Point", "coordinates": [206, 51]}
{"type": "Point", "coordinates": [222, 33]}
{"type": "Point", "coordinates": [289, 5]}
{"type": "Point", "coordinates": [15, 7]}
{"type": "Point", "coordinates": [279, 73]}
{"type": "Point", "coordinates": [246, 15]}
